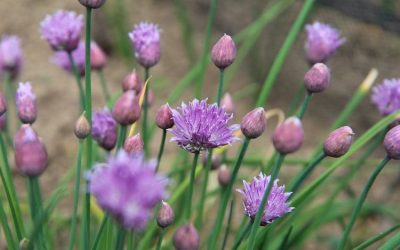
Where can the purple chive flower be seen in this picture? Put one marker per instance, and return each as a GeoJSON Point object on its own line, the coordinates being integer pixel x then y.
{"type": "Point", "coordinates": [10, 55]}
{"type": "Point", "coordinates": [128, 188]}
{"type": "Point", "coordinates": [252, 194]}
{"type": "Point", "coordinates": [26, 103]}
{"type": "Point", "coordinates": [61, 59]}
{"type": "Point", "coordinates": [322, 42]}
{"type": "Point", "coordinates": [386, 96]}
{"type": "Point", "coordinates": [199, 126]}
{"type": "Point", "coordinates": [62, 30]}
{"type": "Point", "coordinates": [104, 129]}
{"type": "Point", "coordinates": [145, 38]}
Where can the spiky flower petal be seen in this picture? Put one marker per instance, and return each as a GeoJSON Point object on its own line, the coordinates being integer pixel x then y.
{"type": "Point", "coordinates": [252, 194]}
{"type": "Point", "coordinates": [128, 188]}
{"type": "Point", "coordinates": [386, 96]}
{"type": "Point", "coordinates": [200, 126]}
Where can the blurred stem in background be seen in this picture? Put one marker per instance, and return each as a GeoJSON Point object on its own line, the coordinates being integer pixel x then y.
{"type": "Point", "coordinates": [78, 80]}
{"type": "Point", "coordinates": [145, 112]}
{"type": "Point", "coordinates": [206, 50]}
{"type": "Point", "coordinates": [9, 93]}
{"type": "Point", "coordinates": [104, 87]}
{"type": "Point", "coordinates": [186, 29]}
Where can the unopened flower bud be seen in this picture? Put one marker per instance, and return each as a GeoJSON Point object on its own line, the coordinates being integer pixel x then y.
{"type": "Point", "coordinates": [165, 216]}
{"type": "Point", "coordinates": [82, 127]}
{"type": "Point", "coordinates": [149, 55]}
{"type": "Point", "coordinates": [26, 103]}
{"type": "Point", "coordinates": [132, 82]}
{"type": "Point", "coordinates": [104, 129]}
{"type": "Point", "coordinates": [98, 58]}
{"type": "Point", "coordinates": [126, 110]}
{"type": "Point", "coordinates": [338, 142]}
{"type": "Point", "coordinates": [23, 244]}
{"type": "Point", "coordinates": [227, 103]}
{"type": "Point", "coordinates": [134, 144]}
{"type": "Point", "coordinates": [224, 175]}
{"type": "Point", "coordinates": [288, 136]}
{"type": "Point", "coordinates": [94, 4]}
{"type": "Point", "coordinates": [253, 123]}
{"type": "Point", "coordinates": [186, 238]}
{"type": "Point", "coordinates": [164, 117]}
{"type": "Point", "coordinates": [392, 143]}
{"type": "Point", "coordinates": [318, 78]}
{"type": "Point", "coordinates": [215, 161]}
{"type": "Point", "coordinates": [30, 153]}
{"type": "Point", "coordinates": [3, 105]}
{"type": "Point", "coordinates": [223, 52]}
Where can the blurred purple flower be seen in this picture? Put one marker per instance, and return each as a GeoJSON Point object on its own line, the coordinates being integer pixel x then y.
{"type": "Point", "coordinates": [62, 30]}
{"type": "Point", "coordinates": [10, 55]}
{"type": "Point", "coordinates": [200, 126]}
{"type": "Point", "coordinates": [322, 42]}
{"type": "Point", "coordinates": [128, 188]}
{"type": "Point", "coordinates": [252, 194]}
{"type": "Point", "coordinates": [386, 96]}
{"type": "Point", "coordinates": [61, 59]}
{"type": "Point", "coordinates": [104, 129]}
{"type": "Point", "coordinates": [26, 103]}
{"type": "Point", "coordinates": [145, 37]}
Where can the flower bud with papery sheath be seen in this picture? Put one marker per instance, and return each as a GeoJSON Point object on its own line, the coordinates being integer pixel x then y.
{"type": "Point", "coordinates": [338, 142]}
{"type": "Point", "coordinates": [253, 123]}
{"type": "Point", "coordinates": [166, 215]}
{"type": "Point", "coordinates": [288, 136]}
{"type": "Point", "coordinates": [126, 109]}
{"type": "Point", "coordinates": [164, 117]}
{"type": "Point", "coordinates": [82, 127]}
{"type": "Point", "coordinates": [318, 78]}
{"type": "Point", "coordinates": [223, 52]}
{"type": "Point", "coordinates": [186, 238]}
{"type": "Point", "coordinates": [134, 144]}
{"type": "Point", "coordinates": [392, 143]}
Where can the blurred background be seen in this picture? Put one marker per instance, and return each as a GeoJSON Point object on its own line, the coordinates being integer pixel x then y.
{"type": "Point", "coordinates": [371, 27]}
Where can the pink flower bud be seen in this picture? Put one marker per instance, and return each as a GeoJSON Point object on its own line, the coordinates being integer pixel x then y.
{"type": "Point", "coordinates": [134, 144]}
{"type": "Point", "coordinates": [82, 127]}
{"type": "Point", "coordinates": [288, 136]}
{"type": "Point", "coordinates": [149, 55]}
{"type": "Point", "coordinates": [227, 103]}
{"type": "Point", "coordinates": [94, 4]}
{"type": "Point", "coordinates": [186, 238]}
{"type": "Point", "coordinates": [165, 216]}
{"type": "Point", "coordinates": [132, 82]}
{"type": "Point", "coordinates": [25, 134]}
{"type": "Point", "coordinates": [3, 105]}
{"type": "Point", "coordinates": [98, 58]}
{"type": "Point", "coordinates": [164, 117]}
{"type": "Point", "coordinates": [253, 123]}
{"type": "Point", "coordinates": [215, 161]}
{"type": "Point", "coordinates": [338, 142]}
{"type": "Point", "coordinates": [26, 103]}
{"type": "Point", "coordinates": [223, 52]}
{"type": "Point", "coordinates": [224, 175]}
{"type": "Point", "coordinates": [318, 78]}
{"type": "Point", "coordinates": [126, 110]}
{"type": "Point", "coordinates": [392, 142]}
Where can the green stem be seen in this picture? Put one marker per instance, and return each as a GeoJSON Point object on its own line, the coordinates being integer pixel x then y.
{"type": "Point", "coordinates": [76, 197]}
{"type": "Point", "coordinates": [304, 106]}
{"type": "Point", "coordinates": [100, 232]}
{"type": "Point", "coordinates": [145, 110]}
{"type": "Point", "coordinates": [296, 100]}
{"type": "Point", "coordinates": [206, 49]}
{"type": "Point", "coordinates": [104, 87]}
{"type": "Point", "coordinates": [191, 184]}
{"type": "Point", "coordinates": [299, 179]}
{"type": "Point", "coordinates": [220, 86]}
{"type": "Point", "coordinates": [360, 201]}
{"type": "Point", "coordinates": [283, 52]}
{"type": "Point", "coordinates": [242, 235]}
{"type": "Point", "coordinates": [199, 221]}
{"type": "Point", "coordinates": [161, 150]}
{"type": "Point", "coordinates": [9, 99]}
{"type": "Point", "coordinates": [6, 177]}
{"type": "Point", "coordinates": [35, 202]}
{"type": "Point", "coordinates": [160, 239]}
{"type": "Point", "coordinates": [225, 198]}
{"type": "Point", "coordinates": [11, 243]}
{"type": "Point", "coordinates": [228, 225]}
{"type": "Point", "coordinates": [121, 137]}
{"type": "Point", "coordinates": [120, 239]}
{"type": "Point", "coordinates": [89, 139]}
{"type": "Point", "coordinates": [78, 80]}
{"type": "Point", "coordinates": [261, 208]}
